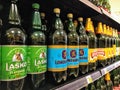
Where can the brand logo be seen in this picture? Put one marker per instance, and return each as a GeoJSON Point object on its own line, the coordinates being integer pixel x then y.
{"type": "Point", "coordinates": [101, 53]}
{"type": "Point", "coordinates": [18, 56]}
{"type": "Point", "coordinates": [42, 55]}
{"type": "Point", "coordinates": [94, 54]}
{"type": "Point", "coordinates": [81, 52]}
{"type": "Point", "coordinates": [64, 54]}
{"type": "Point", "coordinates": [73, 53]}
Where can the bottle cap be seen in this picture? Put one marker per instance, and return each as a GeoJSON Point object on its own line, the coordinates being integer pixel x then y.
{"type": "Point", "coordinates": [36, 5]}
{"type": "Point", "coordinates": [56, 10]}
{"type": "Point", "coordinates": [70, 15]}
{"type": "Point", "coordinates": [99, 28]}
{"type": "Point", "coordinates": [42, 14]}
{"type": "Point", "coordinates": [107, 77]}
{"type": "Point", "coordinates": [88, 19]}
{"type": "Point", "coordinates": [80, 19]}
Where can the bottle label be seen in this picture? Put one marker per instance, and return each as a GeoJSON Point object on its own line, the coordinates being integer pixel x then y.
{"type": "Point", "coordinates": [0, 62]}
{"type": "Point", "coordinates": [117, 51]}
{"type": "Point", "coordinates": [37, 59]}
{"type": "Point", "coordinates": [57, 60]}
{"type": "Point", "coordinates": [114, 50]}
{"type": "Point", "coordinates": [72, 56]}
{"type": "Point", "coordinates": [101, 54]}
{"type": "Point", "coordinates": [106, 53]}
{"type": "Point", "coordinates": [92, 55]}
{"type": "Point", "coordinates": [83, 55]}
{"type": "Point", "coordinates": [109, 52]}
{"type": "Point", "coordinates": [13, 62]}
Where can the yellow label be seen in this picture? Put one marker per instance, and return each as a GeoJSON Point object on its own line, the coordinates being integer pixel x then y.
{"type": "Point", "coordinates": [101, 54]}
{"type": "Point", "coordinates": [92, 55]}
{"type": "Point", "coordinates": [114, 50]}
{"type": "Point", "coordinates": [109, 52]}
{"type": "Point", "coordinates": [106, 53]}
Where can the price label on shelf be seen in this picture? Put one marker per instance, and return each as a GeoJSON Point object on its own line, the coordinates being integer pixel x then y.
{"type": "Point", "coordinates": [106, 71]}
{"type": "Point", "coordinates": [89, 79]}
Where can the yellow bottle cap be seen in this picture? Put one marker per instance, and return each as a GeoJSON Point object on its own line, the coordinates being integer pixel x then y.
{"type": "Point", "coordinates": [56, 10]}
{"type": "Point", "coordinates": [104, 29]}
{"type": "Point", "coordinates": [107, 77]}
{"type": "Point", "coordinates": [80, 19]}
{"type": "Point", "coordinates": [99, 28]}
{"type": "Point", "coordinates": [70, 15]}
{"type": "Point", "coordinates": [88, 24]}
{"type": "Point", "coordinates": [42, 14]}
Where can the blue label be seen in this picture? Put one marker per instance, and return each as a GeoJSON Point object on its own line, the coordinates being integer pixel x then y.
{"type": "Point", "coordinates": [83, 55]}
{"type": "Point", "coordinates": [57, 60]}
{"type": "Point", "coordinates": [73, 56]}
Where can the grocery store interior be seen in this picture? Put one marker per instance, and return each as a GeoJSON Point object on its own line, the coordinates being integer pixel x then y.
{"type": "Point", "coordinates": [59, 44]}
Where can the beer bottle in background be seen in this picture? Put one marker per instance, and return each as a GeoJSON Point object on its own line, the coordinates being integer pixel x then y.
{"type": "Point", "coordinates": [44, 23]}
{"type": "Point", "coordinates": [57, 46]}
{"type": "Point", "coordinates": [0, 52]}
{"type": "Point", "coordinates": [112, 44]}
{"type": "Point", "coordinates": [92, 86]}
{"type": "Point", "coordinates": [98, 85]}
{"type": "Point", "coordinates": [103, 84]}
{"type": "Point", "coordinates": [37, 50]}
{"type": "Point", "coordinates": [108, 45]}
{"type": "Point", "coordinates": [115, 78]}
{"type": "Point", "coordinates": [101, 45]}
{"type": "Point", "coordinates": [13, 52]}
{"type": "Point", "coordinates": [92, 45]}
{"type": "Point", "coordinates": [108, 82]}
{"type": "Point", "coordinates": [117, 46]}
{"type": "Point", "coordinates": [95, 49]}
{"type": "Point", "coordinates": [83, 47]}
{"type": "Point", "coordinates": [119, 43]}
{"type": "Point", "coordinates": [72, 48]}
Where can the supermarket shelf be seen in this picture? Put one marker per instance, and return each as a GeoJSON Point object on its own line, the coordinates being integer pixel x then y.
{"type": "Point", "coordinates": [80, 82]}
{"type": "Point", "coordinates": [109, 16]}
{"type": "Point", "coordinates": [91, 5]}
{"type": "Point", "coordinates": [110, 68]}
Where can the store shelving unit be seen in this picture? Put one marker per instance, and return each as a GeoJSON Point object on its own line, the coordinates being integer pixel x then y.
{"type": "Point", "coordinates": [81, 82]}
{"type": "Point", "coordinates": [82, 8]}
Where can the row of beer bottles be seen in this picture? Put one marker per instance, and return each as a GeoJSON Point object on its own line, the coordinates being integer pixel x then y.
{"type": "Point", "coordinates": [111, 81]}
{"type": "Point", "coordinates": [68, 52]}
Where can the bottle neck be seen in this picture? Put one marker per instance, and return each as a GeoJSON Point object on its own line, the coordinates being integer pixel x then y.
{"type": "Point", "coordinates": [58, 25]}
{"type": "Point", "coordinates": [81, 28]}
{"type": "Point", "coordinates": [14, 17]}
{"type": "Point", "coordinates": [71, 27]}
{"type": "Point", "coordinates": [36, 22]}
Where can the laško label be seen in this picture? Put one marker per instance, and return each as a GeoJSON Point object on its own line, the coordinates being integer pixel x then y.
{"type": "Point", "coordinates": [57, 58]}
{"type": "Point", "coordinates": [83, 55]}
{"type": "Point", "coordinates": [13, 62]}
{"type": "Point", "coordinates": [72, 56]}
{"type": "Point", "coordinates": [92, 55]}
{"type": "Point", "coordinates": [37, 59]}
{"type": "Point", "coordinates": [101, 54]}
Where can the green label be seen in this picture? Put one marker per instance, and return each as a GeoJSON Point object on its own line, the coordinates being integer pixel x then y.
{"type": "Point", "coordinates": [13, 62]}
{"type": "Point", "coordinates": [0, 62]}
{"type": "Point", "coordinates": [37, 59]}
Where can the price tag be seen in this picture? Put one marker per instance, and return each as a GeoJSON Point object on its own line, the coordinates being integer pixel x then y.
{"type": "Point", "coordinates": [106, 71]}
{"type": "Point", "coordinates": [89, 79]}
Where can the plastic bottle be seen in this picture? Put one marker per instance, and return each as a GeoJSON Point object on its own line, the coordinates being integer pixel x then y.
{"type": "Point", "coordinates": [57, 48]}
{"type": "Point", "coordinates": [13, 52]}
